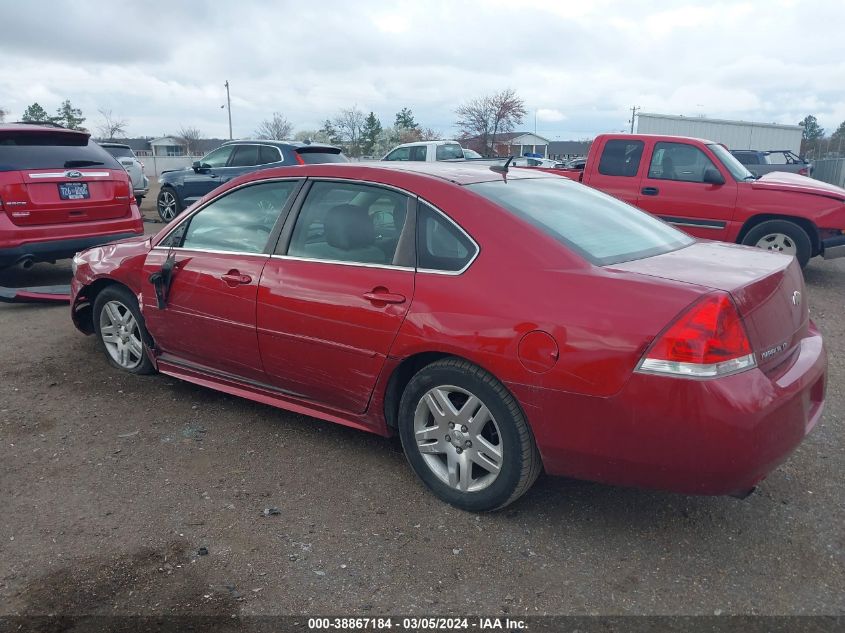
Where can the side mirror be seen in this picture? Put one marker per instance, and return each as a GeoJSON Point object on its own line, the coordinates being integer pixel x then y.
{"type": "Point", "coordinates": [196, 165]}
{"type": "Point", "coordinates": [713, 177]}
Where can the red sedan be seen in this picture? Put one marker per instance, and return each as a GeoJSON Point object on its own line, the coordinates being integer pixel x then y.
{"type": "Point", "coordinates": [501, 324]}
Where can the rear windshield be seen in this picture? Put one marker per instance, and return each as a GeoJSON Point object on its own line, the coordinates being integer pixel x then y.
{"type": "Point", "coordinates": [44, 150]}
{"type": "Point", "coordinates": [321, 155]}
{"type": "Point", "coordinates": [600, 228]}
{"type": "Point", "coordinates": [119, 152]}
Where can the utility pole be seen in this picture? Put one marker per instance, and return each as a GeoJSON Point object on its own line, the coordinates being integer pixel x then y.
{"type": "Point", "coordinates": [229, 108]}
{"type": "Point", "coordinates": [634, 111]}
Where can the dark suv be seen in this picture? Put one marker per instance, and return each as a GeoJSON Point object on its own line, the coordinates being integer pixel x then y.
{"type": "Point", "coordinates": [183, 187]}
{"type": "Point", "coordinates": [60, 193]}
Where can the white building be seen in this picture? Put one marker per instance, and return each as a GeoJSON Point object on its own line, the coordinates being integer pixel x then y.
{"type": "Point", "coordinates": [734, 134]}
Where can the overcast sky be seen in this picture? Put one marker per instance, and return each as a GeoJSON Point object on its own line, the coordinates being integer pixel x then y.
{"type": "Point", "coordinates": [579, 66]}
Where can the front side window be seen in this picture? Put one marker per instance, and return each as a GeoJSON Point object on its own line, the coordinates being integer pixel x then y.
{"type": "Point", "coordinates": [400, 153]}
{"type": "Point", "coordinates": [217, 158]}
{"type": "Point", "coordinates": [240, 221]}
{"type": "Point", "coordinates": [621, 157]}
{"type": "Point", "coordinates": [597, 226]}
{"type": "Point", "coordinates": [349, 222]}
{"type": "Point", "coordinates": [440, 244]}
{"type": "Point", "coordinates": [678, 161]}
{"type": "Point", "coordinates": [449, 151]}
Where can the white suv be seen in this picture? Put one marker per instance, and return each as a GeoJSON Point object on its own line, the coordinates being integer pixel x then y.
{"type": "Point", "coordinates": [134, 167]}
{"type": "Point", "coordinates": [426, 151]}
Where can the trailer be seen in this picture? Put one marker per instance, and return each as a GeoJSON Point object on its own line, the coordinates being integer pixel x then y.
{"type": "Point", "coordinates": [733, 134]}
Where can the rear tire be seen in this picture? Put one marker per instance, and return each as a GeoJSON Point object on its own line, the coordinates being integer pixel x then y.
{"type": "Point", "coordinates": [168, 204]}
{"type": "Point", "coordinates": [121, 331]}
{"type": "Point", "coordinates": [466, 437]}
{"type": "Point", "coordinates": [781, 236]}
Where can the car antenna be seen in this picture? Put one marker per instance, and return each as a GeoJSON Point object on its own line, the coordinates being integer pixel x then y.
{"type": "Point", "coordinates": [502, 169]}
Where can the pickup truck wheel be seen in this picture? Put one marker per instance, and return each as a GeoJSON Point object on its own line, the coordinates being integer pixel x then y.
{"type": "Point", "coordinates": [781, 236]}
{"type": "Point", "coordinates": [168, 204]}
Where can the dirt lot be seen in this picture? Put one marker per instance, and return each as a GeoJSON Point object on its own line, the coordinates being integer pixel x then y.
{"type": "Point", "coordinates": [147, 495]}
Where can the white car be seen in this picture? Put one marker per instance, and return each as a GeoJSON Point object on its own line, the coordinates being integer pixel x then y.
{"type": "Point", "coordinates": [530, 161]}
{"type": "Point", "coordinates": [426, 151]}
{"type": "Point", "coordinates": [134, 167]}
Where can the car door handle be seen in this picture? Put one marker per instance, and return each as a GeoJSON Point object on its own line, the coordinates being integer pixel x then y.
{"type": "Point", "coordinates": [381, 295]}
{"type": "Point", "coordinates": [234, 278]}
{"type": "Point", "coordinates": [649, 191]}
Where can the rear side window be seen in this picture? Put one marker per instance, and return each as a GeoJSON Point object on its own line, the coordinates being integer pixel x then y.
{"type": "Point", "coordinates": [449, 152]}
{"type": "Point", "coordinates": [244, 156]}
{"type": "Point", "coordinates": [418, 153]}
{"type": "Point", "coordinates": [46, 150]}
{"type": "Point", "coordinates": [747, 159]}
{"type": "Point", "coordinates": [599, 227]}
{"type": "Point", "coordinates": [120, 152]}
{"type": "Point", "coordinates": [441, 245]}
{"type": "Point", "coordinates": [621, 157]}
{"type": "Point", "coordinates": [321, 155]}
{"type": "Point", "coordinates": [268, 154]}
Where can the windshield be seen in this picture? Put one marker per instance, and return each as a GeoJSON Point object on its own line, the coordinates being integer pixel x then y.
{"type": "Point", "coordinates": [737, 169]}
{"type": "Point", "coordinates": [599, 227]}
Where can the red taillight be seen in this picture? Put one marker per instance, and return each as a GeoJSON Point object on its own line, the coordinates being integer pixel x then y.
{"type": "Point", "coordinates": [707, 340]}
{"type": "Point", "coordinates": [299, 159]}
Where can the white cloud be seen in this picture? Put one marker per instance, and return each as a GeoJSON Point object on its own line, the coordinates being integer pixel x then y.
{"type": "Point", "coordinates": [580, 67]}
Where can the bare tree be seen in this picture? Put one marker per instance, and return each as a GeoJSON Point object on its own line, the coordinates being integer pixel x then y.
{"type": "Point", "coordinates": [3, 113]}
{"type": "Point", "coordinates": [485, 117]}
{"type": "Point", "coordinates": [111, 127]}
{"type": "Point", "coordinates": [189, 137]}
{"type": "Point", "coordinates": [348, 125]}
{"type": "Point", "coordinates": [429, 134]}
{"type": "Point", "coordinates": [277, 128]}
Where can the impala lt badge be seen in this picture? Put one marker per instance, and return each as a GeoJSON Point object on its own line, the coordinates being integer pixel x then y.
{"type": "Point", "coordinates": [796, 298]}
{"type": "Point", "coordinates": [772, 351]}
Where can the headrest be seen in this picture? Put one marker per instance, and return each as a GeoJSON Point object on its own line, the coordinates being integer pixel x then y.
{"type": "Point", "coordinates": [349, 227]}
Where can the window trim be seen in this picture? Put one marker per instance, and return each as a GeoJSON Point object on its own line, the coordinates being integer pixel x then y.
{"type": "Point", "coordinates": [454, 273]}
{"type": "Point", "coordinates": [271, 239]}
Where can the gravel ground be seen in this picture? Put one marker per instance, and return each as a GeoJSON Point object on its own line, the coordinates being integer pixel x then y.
{"type": "Point", "coordinates": [146, 495]}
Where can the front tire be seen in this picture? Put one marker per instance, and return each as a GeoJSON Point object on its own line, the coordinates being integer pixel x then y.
{"type": "Point", "coordinates": [466, 437]}
{"type": "Point", "coordinates": [781, 236]}
{"type": "Point", "coordinates": [121, 331]}
{"type": "Point", "coordinates": [168, 204]}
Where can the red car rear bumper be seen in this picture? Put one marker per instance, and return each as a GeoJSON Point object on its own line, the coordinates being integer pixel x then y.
{"type": "Point", "coordinates": [708, 437]}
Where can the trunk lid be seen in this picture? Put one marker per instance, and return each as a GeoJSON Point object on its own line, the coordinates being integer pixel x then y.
{"type": "Point", "coordinates": [768, 289]}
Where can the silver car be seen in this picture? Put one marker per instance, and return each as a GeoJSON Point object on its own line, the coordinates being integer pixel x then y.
{"type": "Point", "coordinates": [134, 167]}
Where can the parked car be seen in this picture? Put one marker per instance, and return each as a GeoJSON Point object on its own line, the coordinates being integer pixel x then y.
{"type": "Point", "coordinates": [759, 163]}
{"type": "Point", "coordinates": [500, 327]}
{"type": "Point", "coordinates": [181, 188]}
{"type": "Point", "coordinates": [59, 193]}
{"type": "Point", "coordinates": [700, 186]}
{"type": "Point", "coordinates": [134, 167]}
{"type": "Point", "coordinates": [426, 151]}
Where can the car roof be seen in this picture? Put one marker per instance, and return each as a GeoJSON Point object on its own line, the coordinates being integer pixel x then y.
{"type": "Point", "coordinates": [38, 127]}
{"type": "Point", "coordinates": [459, 173]}
{"type": "Point", "coordinates": [275, 143]}
{"type": "Point", "coordinates": [418, 143]}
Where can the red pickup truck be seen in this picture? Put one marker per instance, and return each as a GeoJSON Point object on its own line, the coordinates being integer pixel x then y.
{"type": "Point", "coordinates": [701, 187]}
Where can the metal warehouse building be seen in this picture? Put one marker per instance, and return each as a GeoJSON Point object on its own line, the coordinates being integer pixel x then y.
{"type": "Point", "coordinates": [734, 134]}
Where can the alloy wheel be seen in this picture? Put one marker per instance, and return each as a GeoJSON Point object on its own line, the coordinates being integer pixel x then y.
{"type": "Point", "coordinates": [167, 206]}
{"type": "Point", "coordinates": [777, 242]}
{"type": "Point", "coordinates": [458, 438]}
{"type": "Point", "coordinates": [121, 335]}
